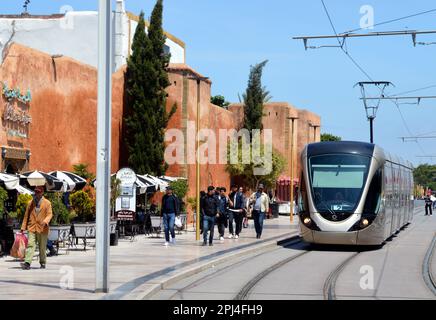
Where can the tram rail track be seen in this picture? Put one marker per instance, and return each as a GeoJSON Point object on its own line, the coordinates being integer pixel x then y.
{"type": "Point", "coordinates": [329, 289]}
{"type": "Point", "coordinates": [244, 293]}
{"type": "Point", "coordinates": [427, 271]}
{"type": "Point", "coordinates": [180, 291]}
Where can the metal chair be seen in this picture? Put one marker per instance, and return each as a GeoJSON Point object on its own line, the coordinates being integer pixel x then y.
{"type": "Point", "coordinates": [156, 225]}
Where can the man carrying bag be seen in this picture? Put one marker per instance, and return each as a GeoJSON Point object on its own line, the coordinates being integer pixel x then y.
{"type": "Point", "coordinates": [36, 221]}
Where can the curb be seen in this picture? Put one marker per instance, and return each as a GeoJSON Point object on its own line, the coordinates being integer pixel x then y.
{"type": "Point", "coordinates": [147, 294]}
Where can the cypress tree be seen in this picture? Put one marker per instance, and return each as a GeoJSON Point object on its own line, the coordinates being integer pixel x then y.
{"type": "Point", "coordinates": [146, 81]}
{"type": "Point", "coordinates": [160, 64]}
{"type": "Point", "coordinates": [139, 119]}
{"type": "Point", "coordinates": [254, 98]}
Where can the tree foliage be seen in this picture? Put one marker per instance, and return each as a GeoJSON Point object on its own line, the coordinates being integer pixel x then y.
{"type": "Point", "coordinates": [81, 169]}
{"type": "Point", "coordinates": [115, 191]}
{"type": "Point", "coordinates": [329, 137]}
{"type": "Point", "coordinates": [3, 198]}
{"type": "Point", "coordinates": [254, 98]}
{"type": "Point", "coordinates": [180, 188]}
{"type": "Point", "coordinates": [425, 175]}
{"type": "Point", "coordinates": [220, 101]}
{"type": "Point", "coordinates": [246, 169]}
{"type": "Point", "coordinates": [146, 80]}
{"type": "Point", "coordinates": [21, 206]}
{"type": "Point", "coordinates": [61, 214]}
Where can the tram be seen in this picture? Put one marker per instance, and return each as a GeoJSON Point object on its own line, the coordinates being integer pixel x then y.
{"type": "Point", "coordinates": [353, 193]}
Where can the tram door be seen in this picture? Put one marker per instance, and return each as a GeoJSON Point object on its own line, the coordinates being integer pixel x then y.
{"type": "Point", "coordinates": [396, 198]}
{"type": "Point", "coordinates": [389, 199]}
{"type": "Point", "coordinates": [400, 198]}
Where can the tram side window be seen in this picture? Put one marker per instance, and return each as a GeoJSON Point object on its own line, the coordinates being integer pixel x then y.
{"type": "Point", "coordinates": [303, 206]}
{"type": "Point", "coordinates": [372, 202]}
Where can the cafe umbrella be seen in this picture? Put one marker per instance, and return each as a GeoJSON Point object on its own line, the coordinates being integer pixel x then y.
{"type": "Point", "coordinates": [72, 180]}
{"type": "Point", "coordinates": [38, 178]}
{"type": "Point", "coordinates": [12, 182]}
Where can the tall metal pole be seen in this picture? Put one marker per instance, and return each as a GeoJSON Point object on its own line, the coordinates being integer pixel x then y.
{"type": "Point", "coordinates": [291, 185]}
{"type": "Point", "coordinates": [197, 164]}
{"type": "Point", "coordinates": [371, 129]}
{"type": "Point", "coordinates": [103, 145]}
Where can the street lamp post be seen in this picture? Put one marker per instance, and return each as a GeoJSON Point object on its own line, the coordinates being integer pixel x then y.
{"type": "Point", "coordinates": [103, 145]}
{"type": "Point", "coordinates": [291, 185]}
{"type": "Point", "coordinates": [197, 158]}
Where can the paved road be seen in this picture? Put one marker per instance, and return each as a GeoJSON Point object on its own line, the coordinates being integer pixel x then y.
{"type": "Point", "coordinates": [301, 271]}
{"type": "Point", "coordinates": [135, 267]}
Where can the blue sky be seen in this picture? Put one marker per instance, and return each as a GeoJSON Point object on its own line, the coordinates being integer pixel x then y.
{"type": "Point", "coordinates": [225, 37]}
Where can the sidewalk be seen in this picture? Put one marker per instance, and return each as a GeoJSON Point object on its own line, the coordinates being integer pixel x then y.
{"type": "Point", "coordinates": [137, 269]}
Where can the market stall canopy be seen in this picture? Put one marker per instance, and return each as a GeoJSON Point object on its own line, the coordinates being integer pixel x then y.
{"type": "Point", "coordinates": [72, 180]}
{"type": "Point", "coordinates": [38, 178]}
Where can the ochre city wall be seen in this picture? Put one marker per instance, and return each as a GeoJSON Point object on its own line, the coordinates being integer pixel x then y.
{"type": "Point", "coordinates": [64, 105]}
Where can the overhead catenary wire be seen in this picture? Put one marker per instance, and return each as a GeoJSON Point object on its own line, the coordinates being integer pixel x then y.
{"type": "Point", "coordinates": [412, 91]}
{"type": "Point", "coordinates": [394, 20]}
{"type": "Point", "coordinates": [367, 74]}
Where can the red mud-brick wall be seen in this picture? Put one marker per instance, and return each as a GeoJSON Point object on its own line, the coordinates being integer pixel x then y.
{"type": "Point", "coordinates": [63, 108]}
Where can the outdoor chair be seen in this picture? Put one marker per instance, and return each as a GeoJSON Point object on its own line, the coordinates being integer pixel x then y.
{"type": "Point", "coordinates": [61, 236]}
{"type": "Point", "coordinates": [156, 225]}
{"type": "Point", "coordinates": [84, 233]}
{"type": "Point", "coordinates": [183, 227]}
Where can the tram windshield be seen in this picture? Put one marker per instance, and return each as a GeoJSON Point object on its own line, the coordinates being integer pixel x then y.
{"type": "Point", "coordinates": [337, 181]}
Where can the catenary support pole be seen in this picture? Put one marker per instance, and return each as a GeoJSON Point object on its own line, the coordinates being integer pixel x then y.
{"type": "Point", "coordinates": [371, 129]}
{"type": "Point", "coordinates": [103, 145]}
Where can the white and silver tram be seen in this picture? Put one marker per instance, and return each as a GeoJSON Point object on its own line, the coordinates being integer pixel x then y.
{"type": "Point", "coordinates": [353, 193]}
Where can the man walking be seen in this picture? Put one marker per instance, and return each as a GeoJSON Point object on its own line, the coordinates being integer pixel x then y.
{"type": "Point", "coordinates": [260, 203]}
{"type": "Point", "coordinates": [223, 208]}
{"type": "Point", "coordinates": [236, 211]}
{"type": "Point", "coordinates": [170, 209]}
{"type": "Point", "coordinates": [210, 211]}
{"type": "Point", "coordinates": [36, 220]}
{"type": "Point", "coordinates": [428, 205]}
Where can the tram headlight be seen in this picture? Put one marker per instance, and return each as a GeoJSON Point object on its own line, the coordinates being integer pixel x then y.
{"type": "Point", "coordinates": [307, 221]}
{"type": "Point", "coordinates": [365, 222]}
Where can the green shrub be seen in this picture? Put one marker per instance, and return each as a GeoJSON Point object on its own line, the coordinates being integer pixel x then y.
{"type": "Point", "coordinates": [83, 206]}
{"type": "Point", "coordinates": [180, 189]}
{"type": "Point", "coordinates": [61, 214]}
{"type": "Point", "coordinates": [3, 198]}
{"type": "Point", "coordinates": [21, 205]}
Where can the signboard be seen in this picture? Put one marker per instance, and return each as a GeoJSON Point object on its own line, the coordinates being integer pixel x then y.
{"type": "Point", "coordinates": [16, 113]}
{"type": "Point", "coordinates": [127, 176]}
{"type": "Point", "coordinates": [125, 206]}
{"type": "Point", "coordinates": [125, 215]}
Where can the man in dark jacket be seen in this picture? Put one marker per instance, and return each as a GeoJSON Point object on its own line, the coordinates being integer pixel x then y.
{"type": "Point", "coordinates": [428, 205]}
{"type": "Point", "coordinates": [223, 215]}
{"type": "Point", "coordinates": [170, 209]}
{"type": "Point", "coordinates": [236, 211]}
{"type": "Point", "coordinates": [210, 211]}
{"type": "Point", "coordinates": [202, 195]}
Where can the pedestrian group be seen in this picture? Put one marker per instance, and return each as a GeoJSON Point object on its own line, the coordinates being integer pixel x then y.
{"type": "Point", "coordinates": [217, 208]}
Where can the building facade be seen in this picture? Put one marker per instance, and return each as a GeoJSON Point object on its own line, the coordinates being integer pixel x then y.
{"type": "Point", "coordinates": [49, 101]}
{"type": "Point", "coordinates": [74, 34]}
